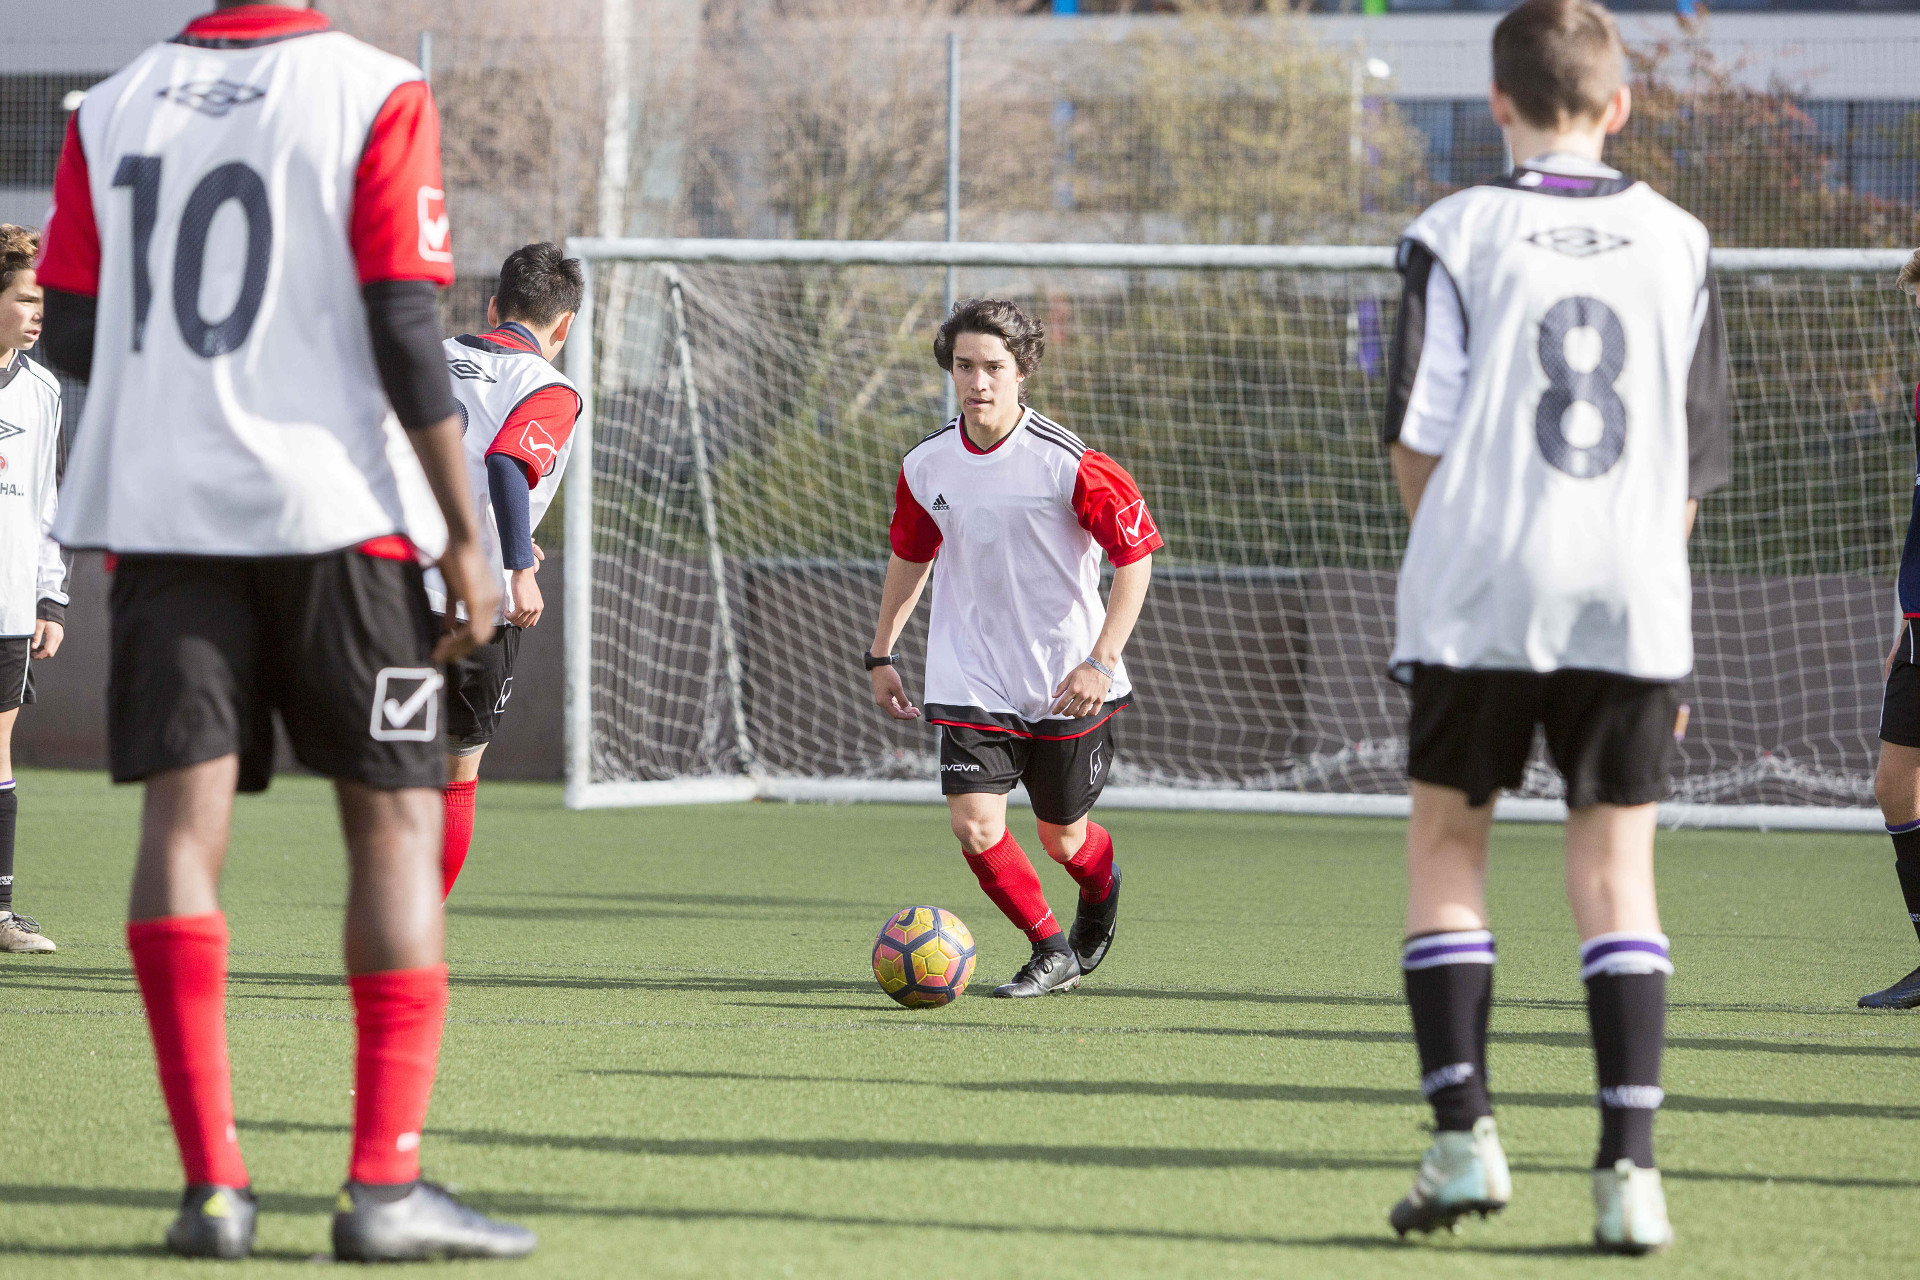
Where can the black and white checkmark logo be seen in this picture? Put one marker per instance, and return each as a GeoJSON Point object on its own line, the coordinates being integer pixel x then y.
{"type": "Point", "coordinates": [405, 708]}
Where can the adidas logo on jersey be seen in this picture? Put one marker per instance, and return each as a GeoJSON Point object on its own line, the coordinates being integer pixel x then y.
{"type": "Point", "coordinates": [940, 502]}
{"type": "Point", "coordinates": [1578, 242]}
{"type": "Point", "coordinates": [469, 370]}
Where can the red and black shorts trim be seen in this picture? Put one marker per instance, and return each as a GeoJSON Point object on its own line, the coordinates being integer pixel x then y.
{"type": "Point", "coordinates": [1051, 730]}
{"type": "Point", "coordinates": [1064, 776]}
{"type": "Point", "coordinates": [206, 649]}
{"type": "Point", "coordinates": [1900, 706]}
{"type": "Point", "coordinates": [1610, 736]}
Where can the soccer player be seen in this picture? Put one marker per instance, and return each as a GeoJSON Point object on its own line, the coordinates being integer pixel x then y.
{"type": "Point", "coordinates": [1023, 661]}
{"type": "Point", "coordinates": [1896, 784]}
{"type": "Point", "coordinates": [517, 413]}
{"type": "Point", "coordinates": [1558, 406]}
{"type": "Point", "coordinates": [32, 574]}
{"type": "Point", "coordinates": [242, 257]}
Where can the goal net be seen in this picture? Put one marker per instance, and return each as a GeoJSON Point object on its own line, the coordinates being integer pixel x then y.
{"type": "Point", "coordinates": [750, 401]}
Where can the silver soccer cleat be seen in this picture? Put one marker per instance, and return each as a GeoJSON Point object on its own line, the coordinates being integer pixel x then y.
{"type": "Point", "coordinates": [1461, 1173]}
{"type": "Point", "coordinates": [1630, 1210]}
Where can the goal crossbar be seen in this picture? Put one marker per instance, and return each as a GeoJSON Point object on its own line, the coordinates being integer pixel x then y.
{"type": "Point", "coordinates": [604, 252]}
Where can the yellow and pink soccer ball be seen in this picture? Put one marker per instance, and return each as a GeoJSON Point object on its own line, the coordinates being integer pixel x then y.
{"type": "Point", "coordinates": [923, 957]}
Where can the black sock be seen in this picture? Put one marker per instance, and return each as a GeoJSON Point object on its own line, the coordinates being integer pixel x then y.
{"type": "Point", "coordinates": [1450, 993]}
{"type": "Point", "coordinates": [1056, 942]}
{"type": "Point", "coordinates": [9, 810]}
{"type": "Point", "coordinates": [1906, 865]}
{"type": "Point", "coordinates": [1627, 1011]}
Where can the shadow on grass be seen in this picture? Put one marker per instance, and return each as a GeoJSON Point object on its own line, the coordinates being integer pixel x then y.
{"type": "Point", "coordinates": [1308, 1093]}
{"type": "Point", "coordinates": [1573, 1040]}
{"type": "Point", "coordinates": [511, 1205]}
{"type": "Point", "coordinates": [916, 1153]}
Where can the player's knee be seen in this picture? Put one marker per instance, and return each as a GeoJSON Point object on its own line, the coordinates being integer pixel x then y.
{"type": "Point", "coordinates": [1062, 843]}
{"type": "Point", "coordinates": [1897, 792]}
{"type": "Point", "coordinates": [977, 835]}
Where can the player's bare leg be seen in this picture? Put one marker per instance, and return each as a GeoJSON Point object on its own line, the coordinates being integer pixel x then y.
{"type": "Point", "coordinates": [19, 934]}
{"type": "Point", "coordinates": [1448, 964]}
{"type": "Point", "coordinates": [178, 940]}
{"type": "Point", "coordinates": [979, 821]}
{"type": "Point", "coordinates": [395, 948]}
{"type": "Point", "coordinates": [1896, 786]}
{"type": "Point", "coordinates": [1085, 849]}
{"type": "Point", "coordinates": [463, 780]}
{"type": "Point", "coordinates": [1624, 963]}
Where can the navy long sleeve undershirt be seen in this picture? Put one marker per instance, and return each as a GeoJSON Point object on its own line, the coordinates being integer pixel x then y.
{"type": "Point", "coordinates": [507, 484]}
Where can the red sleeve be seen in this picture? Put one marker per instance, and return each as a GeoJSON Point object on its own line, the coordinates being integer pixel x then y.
{"type": "Point", "coordinates": [537, 429]}
{"type": "Point", "coordinates": [913, 533]}
{"type": "Point", "coordinates": [70, 245]}
{"type": "Point", "coordinates": [399, 228]}
{"type": "Point", "coordinates": [1110, 508]}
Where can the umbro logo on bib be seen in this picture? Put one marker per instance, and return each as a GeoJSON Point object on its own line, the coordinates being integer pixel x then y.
{"type": "Point", "coordinates": [213, 97]}
{"type": "Point", "coordinates": [940, 502]}
{"type": "Point", "coordinates": [405, 708]}
{"type": "Point", "coordinates": [469, 370]}
{"type": "Point", "coordinates": [8, 431]}
{"type": "Point", "coordinates": [1577, 242]}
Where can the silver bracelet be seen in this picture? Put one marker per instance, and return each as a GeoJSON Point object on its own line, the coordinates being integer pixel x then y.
{"type": "Point", "coordinates": [1095, 664]}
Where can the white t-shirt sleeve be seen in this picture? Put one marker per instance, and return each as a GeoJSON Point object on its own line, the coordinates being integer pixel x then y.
{"type": "Point", "coordinates": [1440, 377]}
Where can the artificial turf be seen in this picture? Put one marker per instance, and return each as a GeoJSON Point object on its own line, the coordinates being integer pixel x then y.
{"type": "Point", "coordinates": [666, 1052]}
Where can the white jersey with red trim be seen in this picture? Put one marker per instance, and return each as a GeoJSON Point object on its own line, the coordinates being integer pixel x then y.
{"type": "Point", "coordinates": [31, 568]}
{"type": "Point", "coordinates": [228, 182]}
{"type": "Point", "coordinates": [1018, 530]}
{"type": "Point", "coordinates": [512, 401]}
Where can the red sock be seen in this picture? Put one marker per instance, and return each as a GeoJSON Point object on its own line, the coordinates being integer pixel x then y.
{"type": "Point", "coordinates": [181, 963]}
{"type": "Point", "coordinates": [399, 1014]}
{"type": "Point", "coordinates": [1014, 886]}
{"type": "Point", "coordinates": [456, 835]}
{"type": "Point", "coordinates": [1092, 867]}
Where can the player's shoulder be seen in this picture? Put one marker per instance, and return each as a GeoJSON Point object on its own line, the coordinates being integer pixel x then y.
{"type": "Point", "coordinates": [933, 441]}
{"type": "Point", "coordinates": [1047, 432]}
{"type": "Point", "coordinates": [41, 374]}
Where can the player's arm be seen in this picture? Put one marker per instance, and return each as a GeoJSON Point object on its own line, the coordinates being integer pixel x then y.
{"type": "Point", "coordinates": [1108, 505]}
{"type": "Point", "coordinates": [403, 255]}
{"type": "Point", "coordinates": [915, 540]}
{"type": "Point", "coordinates": [69, 267]}
{"type": "Point", "coordinates": [1426, 372]}
{"type": "Point", "coordinates": [522, 454]}
{"type": "Point", "coordinates": [1709, 404]}
{"type": "Point", "coordinates": [50, 571]}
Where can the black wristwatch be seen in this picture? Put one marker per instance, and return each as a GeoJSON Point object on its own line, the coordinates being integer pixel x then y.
{"type": "Point", "coordinates": [872, 662]}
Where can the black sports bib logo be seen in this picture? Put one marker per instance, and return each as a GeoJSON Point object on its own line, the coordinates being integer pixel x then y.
{"type": "Point", "coordinates": [213, 97]}
{"type": "Point", "coordinates": [469, 371]}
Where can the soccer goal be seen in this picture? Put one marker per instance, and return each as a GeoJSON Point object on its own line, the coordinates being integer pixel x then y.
{"type": "Point", "coordinates": [748, 403]}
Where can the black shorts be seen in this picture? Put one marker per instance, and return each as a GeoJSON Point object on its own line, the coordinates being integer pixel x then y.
{"type": "Point", "coordinates": [1611, 737]}
{"type": "Point", "coordinates": [1900, 707]}
{"type": "Point", "coordinates": [205, 649]}
{"type": "Point", "coordinates": [16, 672]}
{"type": "Point", "coordinates": [1064, 776]}
{"type": "Point", "coordinates": [478, 687]}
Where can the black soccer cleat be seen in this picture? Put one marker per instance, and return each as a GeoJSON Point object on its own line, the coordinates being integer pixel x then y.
{"type": "Point", "coordinates": [214, 1222]}
{"type": "Point", "coordinates": [426, 1223]}
{"type": "Point", "coordinates": [1046, 973]}
{"type": "Point", "coordinates": [1904, 994]}
{"type": "Point", "coordinates": [1092, 931]}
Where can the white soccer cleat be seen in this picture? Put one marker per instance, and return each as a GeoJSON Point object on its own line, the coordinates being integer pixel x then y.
{"type": "Point", "coordinates": [1630, 1210]}
{"type": "Point", "coordinates": [21, 935]}
{"type": "Point", "coordinates": [1461, 1173]}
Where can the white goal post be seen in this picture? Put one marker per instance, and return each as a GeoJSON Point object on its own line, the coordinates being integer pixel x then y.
{"type": "Point", "coordinates": [746, 403]}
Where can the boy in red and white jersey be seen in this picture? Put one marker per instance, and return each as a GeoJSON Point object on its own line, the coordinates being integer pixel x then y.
{"type": "Point", "coordinates": [1024, 674]}
{"type": "Point", "coordinates": [242, 258]}
{"type": "Point", "coordinates": [517, 413]}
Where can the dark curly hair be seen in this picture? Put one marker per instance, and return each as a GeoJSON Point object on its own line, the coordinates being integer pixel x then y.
{"type": "Point", "coordinates": [1025, 337]}
{"type": "Point", "coordinates": [18, 247]}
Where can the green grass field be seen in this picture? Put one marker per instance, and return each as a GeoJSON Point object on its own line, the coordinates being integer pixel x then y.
{"type": "Point", "coordinates": [667, 1054]}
